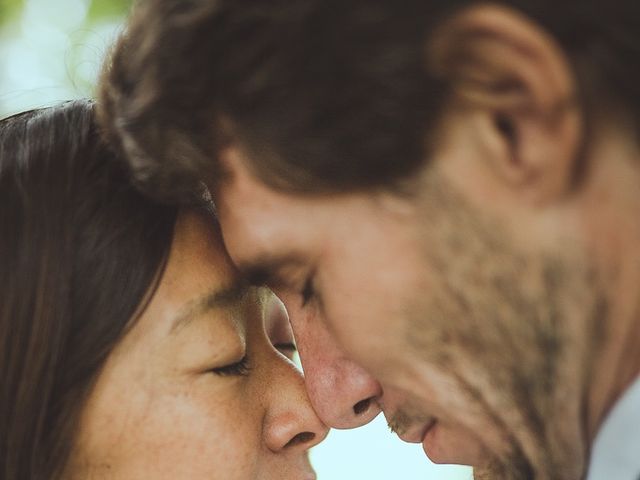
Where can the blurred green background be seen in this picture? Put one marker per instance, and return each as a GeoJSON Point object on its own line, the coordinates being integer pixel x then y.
{"type": "Point", "coordinates": [51, 51]}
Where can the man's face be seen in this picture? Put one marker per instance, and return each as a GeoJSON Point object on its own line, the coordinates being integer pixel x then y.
{"type": "Point", "coordinates": [469, 335]}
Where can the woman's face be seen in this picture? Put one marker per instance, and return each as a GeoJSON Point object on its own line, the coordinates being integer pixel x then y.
{"type": "Point", "coordinates": [200, 387]}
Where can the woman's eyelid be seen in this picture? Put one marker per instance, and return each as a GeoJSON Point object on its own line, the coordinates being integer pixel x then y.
{"type": "Point", "coordinates": [239, 368]}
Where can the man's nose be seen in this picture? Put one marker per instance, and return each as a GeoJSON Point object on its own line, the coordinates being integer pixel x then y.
{"type": "Point", "coordinates": [343, 394]}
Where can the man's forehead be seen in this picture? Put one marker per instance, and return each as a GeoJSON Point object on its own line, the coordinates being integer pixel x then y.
{"type": "Point", "coordinates": [238, 178]}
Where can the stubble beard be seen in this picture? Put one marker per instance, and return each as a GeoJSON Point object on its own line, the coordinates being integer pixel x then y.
{"type": "Point", "coordinates": [516, 332]}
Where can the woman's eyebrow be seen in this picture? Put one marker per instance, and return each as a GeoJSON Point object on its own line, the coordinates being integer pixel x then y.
{"type": "Point", "coordinates": [223, 298]}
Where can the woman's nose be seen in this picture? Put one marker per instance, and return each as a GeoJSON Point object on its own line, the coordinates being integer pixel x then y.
{"type": "Point", "coordinates": [291, 423]}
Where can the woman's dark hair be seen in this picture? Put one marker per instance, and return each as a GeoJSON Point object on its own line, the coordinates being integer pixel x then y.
{"type": "Point", "coordinates": [328, 95]}
{"type": "Point", "coordinates": [80, 252]}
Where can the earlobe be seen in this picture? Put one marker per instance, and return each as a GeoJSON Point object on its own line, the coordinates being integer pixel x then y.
{"type": "Point", "coordinates": [502, 64]}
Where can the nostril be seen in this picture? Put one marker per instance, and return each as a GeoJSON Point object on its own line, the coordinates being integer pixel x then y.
{"type": "Point", "coordinates": [301, 438]}
{"type": "Point", "coordinates": [362, 406]}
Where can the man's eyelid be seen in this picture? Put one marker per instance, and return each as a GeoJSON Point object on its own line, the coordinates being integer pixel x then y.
{"type": "Point", "coordinates": [265, 277]}
{"type": "Point", "coordinates": [288, 349]}
{"type": "Point", "coordinates": [289, 346]}
{"type": "Point", "coordinates": [279, 273]}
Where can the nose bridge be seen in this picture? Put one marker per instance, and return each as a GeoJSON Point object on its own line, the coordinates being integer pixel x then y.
{"type": "Point", "coordinates": [290, 421]}
{"type": "Point", "coordinates": [343, 394]}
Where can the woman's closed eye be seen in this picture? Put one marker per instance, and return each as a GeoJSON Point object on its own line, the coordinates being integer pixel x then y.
{"type": "Point", "coordinates": [239, 368]}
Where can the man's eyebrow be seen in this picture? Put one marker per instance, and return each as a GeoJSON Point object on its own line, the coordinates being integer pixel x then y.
{"type": "Point", "coordinates": [224, 298]}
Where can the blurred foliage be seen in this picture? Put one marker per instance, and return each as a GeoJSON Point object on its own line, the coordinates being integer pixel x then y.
{"type": "Point", "coordinates": [9, 9]}
{"type": "Point", "coordinates": [100, 9]}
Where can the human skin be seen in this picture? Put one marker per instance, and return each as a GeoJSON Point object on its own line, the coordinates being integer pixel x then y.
{"type": "Point", "coordinates": [494, 300]}
{"type": "Point", "coordinates": [169, 402]}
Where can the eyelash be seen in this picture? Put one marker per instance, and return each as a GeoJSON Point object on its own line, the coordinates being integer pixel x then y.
{"type": "Point", "coordinates": [241, 368]}
{"type": "Point", "coordinates": [307, 292]}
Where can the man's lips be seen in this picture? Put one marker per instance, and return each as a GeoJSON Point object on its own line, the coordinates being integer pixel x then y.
{"type": "Point", "coordinates": [439, 449]}
{"type": "Point", "coordinates": [416, 434]}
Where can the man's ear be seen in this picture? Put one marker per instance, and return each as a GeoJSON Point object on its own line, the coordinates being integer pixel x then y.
{"type": "Point", "coordinates": [506, 67]}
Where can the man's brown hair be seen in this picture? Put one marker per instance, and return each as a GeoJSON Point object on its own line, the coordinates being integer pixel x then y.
{"type": "Point", "coordinates": [325, 95]}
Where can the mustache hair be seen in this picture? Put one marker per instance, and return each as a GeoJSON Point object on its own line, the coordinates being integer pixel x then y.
{"type": "Point", "coordinates": [402, 420]}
